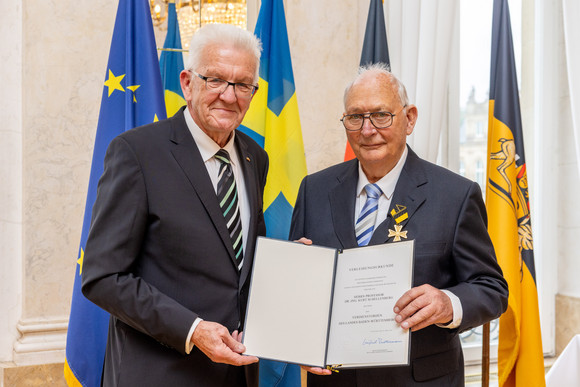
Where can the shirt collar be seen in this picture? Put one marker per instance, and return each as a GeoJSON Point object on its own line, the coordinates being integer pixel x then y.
{"type": "Point", "coordinates": [208, 147]}
{"type": "Point", "coordinates": [388, 182]}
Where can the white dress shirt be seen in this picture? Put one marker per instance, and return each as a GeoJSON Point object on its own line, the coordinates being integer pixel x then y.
{"type": "Point", "coordinates": [208, 148]}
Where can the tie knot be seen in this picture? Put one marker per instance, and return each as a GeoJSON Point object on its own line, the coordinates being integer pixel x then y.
{"type": "Point", "coordinates": [223, 156]}
{"type": "Point", "coordinates": [373, 191]}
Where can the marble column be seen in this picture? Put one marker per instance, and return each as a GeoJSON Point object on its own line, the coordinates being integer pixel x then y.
{"type": "Point", "coordinates": [10, 175]}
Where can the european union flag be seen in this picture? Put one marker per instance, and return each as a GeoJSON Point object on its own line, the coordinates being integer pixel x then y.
{"type": "Point", "coordinates": [171, 64]}
{"type": "Point", "coordinates": [132, 96]}
{"type": "Point", "coordinates": [274, 123]}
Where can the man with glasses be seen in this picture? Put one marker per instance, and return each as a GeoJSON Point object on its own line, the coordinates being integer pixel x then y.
{"type": "Point", "coordinates": [388, 194]}
{"type": "Point", "coordinates": [178, 210]}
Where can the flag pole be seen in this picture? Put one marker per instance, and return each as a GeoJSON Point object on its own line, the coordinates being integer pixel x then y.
{"type": "Point", "coordinates": [485, 356]}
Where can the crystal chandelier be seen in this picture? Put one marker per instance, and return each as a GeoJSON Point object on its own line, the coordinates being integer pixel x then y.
{"type": "Point", "coordinates": [194, 14]}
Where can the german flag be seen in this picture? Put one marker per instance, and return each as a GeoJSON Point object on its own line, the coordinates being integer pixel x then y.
{"type": "Point", "coordinates": [520, 356]}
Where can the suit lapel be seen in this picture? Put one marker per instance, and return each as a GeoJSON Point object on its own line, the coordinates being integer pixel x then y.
{"type": "Point", "coordinates": [409, 193]}
{"type": "Point", "coordinates": [342, 204]}
{"type": "Point", "coordinates": [251, 182]}
{"type": "Point", "coordinates": [187, 155]}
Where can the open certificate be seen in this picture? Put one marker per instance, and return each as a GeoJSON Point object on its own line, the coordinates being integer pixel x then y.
{"type": "Point", "coordinates": [322, 307]}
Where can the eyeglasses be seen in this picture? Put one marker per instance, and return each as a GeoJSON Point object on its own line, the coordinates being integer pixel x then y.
{"type": "Point", "coordinates": [217, 85]}
{"type": "Point", "coordinates": [380, 120]}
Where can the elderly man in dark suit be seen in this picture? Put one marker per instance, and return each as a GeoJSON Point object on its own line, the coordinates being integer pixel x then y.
{"type": "Point", "coordinates": [389, 194]}
{"type": "Point", "coordinates": [178, 210]}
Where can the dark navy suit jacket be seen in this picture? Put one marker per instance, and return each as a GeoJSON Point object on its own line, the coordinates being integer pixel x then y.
{"type": "Point", "coordinates": [159, 255]}
{"type": "Point", "coordinates": [453, 251]}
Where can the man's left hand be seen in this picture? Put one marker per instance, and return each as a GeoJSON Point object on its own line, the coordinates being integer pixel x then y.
{"type": "Point", "coordinates": [422, 306]}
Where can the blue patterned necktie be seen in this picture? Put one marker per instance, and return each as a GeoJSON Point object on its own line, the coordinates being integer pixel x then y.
{"type": "Point", "coordinates": [228, 199]}
{"type": "Point", "coordinates": [365, 224]}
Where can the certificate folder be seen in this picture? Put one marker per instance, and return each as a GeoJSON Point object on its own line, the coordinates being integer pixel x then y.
{"type": "Point", "coordinates": [322, 307]}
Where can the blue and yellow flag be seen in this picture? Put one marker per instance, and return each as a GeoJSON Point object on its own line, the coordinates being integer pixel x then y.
{"type": "Point", "coordinates": [520, 356]}
{"type": "Point", "coordinates": [132, 96]}
{"type": "Point", "coordinates": [171, 64]}
{"type": "Point", "coordinates": [274, 123]}
{"type": "Point", "coordinates": [273, 120]}
{"type": "Point", "coordinates": [375, 48]}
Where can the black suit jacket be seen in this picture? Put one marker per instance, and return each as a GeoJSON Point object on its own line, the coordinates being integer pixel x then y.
{"type": "Point", "coordinates": [453, 251]}
{"type": "Point", "coordinates": [159, 255]}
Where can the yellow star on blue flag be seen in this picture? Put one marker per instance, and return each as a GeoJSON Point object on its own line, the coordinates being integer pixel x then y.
{"type": "Point", "coordinates": [80, 261]}
{"type": "Point", "coordinates": [114, 83]}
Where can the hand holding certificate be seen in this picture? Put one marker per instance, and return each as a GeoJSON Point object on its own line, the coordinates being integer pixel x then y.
{"type": "Point", "coordinates": [339, 305]}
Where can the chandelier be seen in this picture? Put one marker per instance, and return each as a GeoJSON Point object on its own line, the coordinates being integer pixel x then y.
{"type": "Point", "coordinates": [194, 14]}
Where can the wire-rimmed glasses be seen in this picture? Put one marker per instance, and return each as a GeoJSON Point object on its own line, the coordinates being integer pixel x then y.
{"type": "Point", "coordinates": [218, 85]}
{"type": "Point", "coordinates": [380, 120]}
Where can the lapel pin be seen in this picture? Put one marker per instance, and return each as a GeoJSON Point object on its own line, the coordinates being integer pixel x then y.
{"type": "Point", "coordinates": [247, 158]}
{"type": "Point", "coordinates": [399, 213]}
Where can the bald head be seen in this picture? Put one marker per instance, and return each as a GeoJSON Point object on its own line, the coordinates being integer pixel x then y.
{"type": "Point", "coordinates": [379, 72]}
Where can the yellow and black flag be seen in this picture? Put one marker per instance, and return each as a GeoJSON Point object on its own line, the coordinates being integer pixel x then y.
{"type": "Point", "coordinates": [520, 356]}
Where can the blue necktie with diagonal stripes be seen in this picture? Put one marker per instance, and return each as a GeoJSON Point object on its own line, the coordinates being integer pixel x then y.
{"type": "Point", "coordinates": [365, 224]}
{"type": "Point", "coordinates": [228, 199]}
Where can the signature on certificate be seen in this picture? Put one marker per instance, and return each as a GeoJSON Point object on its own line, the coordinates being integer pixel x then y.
{"type": "Point", "coordinates": [378, 341]}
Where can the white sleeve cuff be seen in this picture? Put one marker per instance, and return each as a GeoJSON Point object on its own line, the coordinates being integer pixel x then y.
{"type": "Point", "coordinates": [188, 342]}
{"type": "Point", "coordinates": [457, 311]}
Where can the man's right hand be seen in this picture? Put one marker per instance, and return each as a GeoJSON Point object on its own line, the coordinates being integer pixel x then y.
{"type": "Point", "coordinates": [215, 341]}
{"type": "Point", "coordinates": [304, 241]}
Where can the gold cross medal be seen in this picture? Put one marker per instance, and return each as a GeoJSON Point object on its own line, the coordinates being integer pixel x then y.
{"type": "Point", "coordinates": [398, 233]}
{"type": "Point", "coordinates": [399, 213]}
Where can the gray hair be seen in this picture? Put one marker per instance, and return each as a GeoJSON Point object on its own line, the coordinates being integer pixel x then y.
{"type": "Point", "coordinates": [379, 68]}
{"type": "Point", "coordinates": [223, 35]}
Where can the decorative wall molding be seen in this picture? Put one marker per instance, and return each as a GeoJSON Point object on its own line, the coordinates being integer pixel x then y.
{"type": "Point", "coordinates": [42, 341]}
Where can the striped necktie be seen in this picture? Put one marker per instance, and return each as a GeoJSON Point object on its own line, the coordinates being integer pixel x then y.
{"type": "Point", "coordinates": [365, 224]}
{"type": "Point", "coordinates": [228, 199]}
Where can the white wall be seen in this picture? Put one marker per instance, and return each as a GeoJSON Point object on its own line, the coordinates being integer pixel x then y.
{"type": "Point", "coordinates": [10, 174]}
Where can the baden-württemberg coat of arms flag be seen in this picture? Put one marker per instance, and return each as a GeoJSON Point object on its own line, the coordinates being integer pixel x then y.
{"type": "Point", "coordinates": [274, 123]}
{"type": "Point", "coordinates": [520, 356]}
{"type": "Point", "coordinates": [132, 96]}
